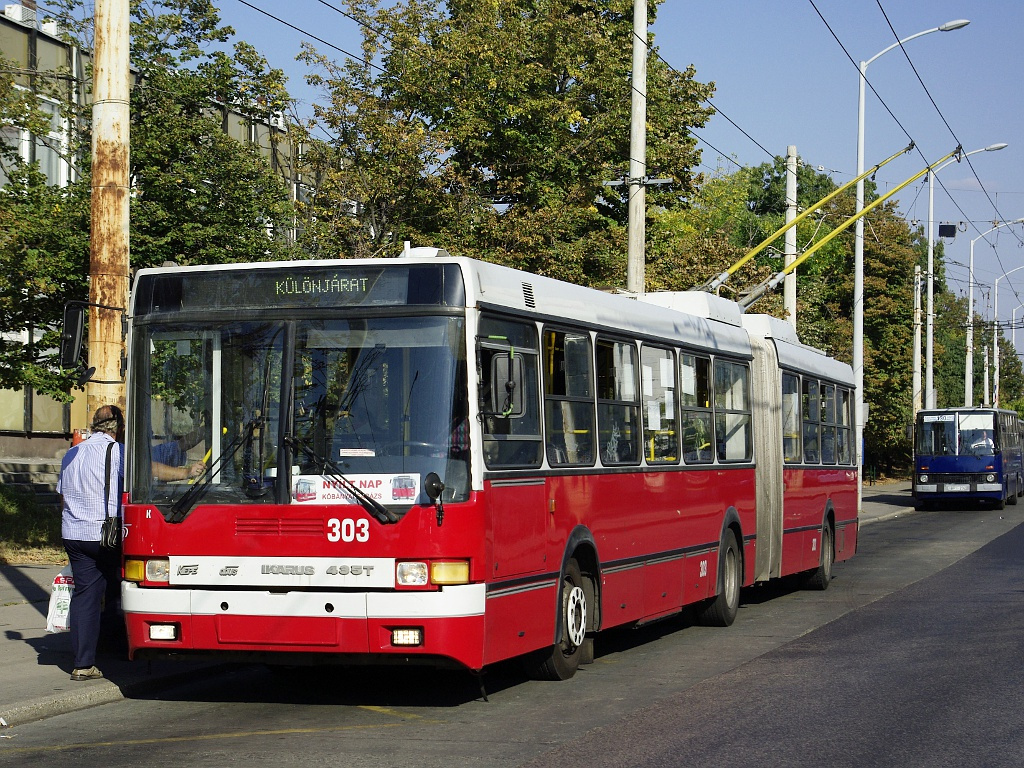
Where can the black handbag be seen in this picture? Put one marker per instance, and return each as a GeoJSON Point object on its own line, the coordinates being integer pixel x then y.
{"type": "Point", "coordinates": [110, 532]}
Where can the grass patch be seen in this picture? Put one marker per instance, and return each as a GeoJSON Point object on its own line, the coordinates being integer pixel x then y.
{"type": "Point", "coordinates": [29, 531]}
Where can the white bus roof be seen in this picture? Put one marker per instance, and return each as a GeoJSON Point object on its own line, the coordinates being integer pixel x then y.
{"type": "Point", "coordinates": [793, 354]}
{"type": "Point", "coordinates": [493, 285]}
{"type": "Point", "coordinates": [698, 320]}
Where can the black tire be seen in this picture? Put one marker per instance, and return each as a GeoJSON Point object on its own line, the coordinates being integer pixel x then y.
{"type": "Point", "coordinates": [721, 610]}
{"type": "Point", "coordinates": [587, 656]}
{"type": "Point", "coordinates": [562, 660]}
{"type": "Point", "coordinates": [1012, 498]}
{"type": "Point", "coordinates": [821, 577]}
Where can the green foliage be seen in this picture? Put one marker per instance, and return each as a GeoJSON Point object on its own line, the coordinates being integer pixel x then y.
{"type": "Point", "coordinates": [1011, 373]}
{"type": "Point", "coordinates": [950, 349]}
{"type": "Point", "coordinates": [825, 292]}
{"type": "Point", "coordinates": [44, 256]}
{"type": "Point", "coordinates": [199, 196]}
{"type": "Point", "coordinates": [491, 129]}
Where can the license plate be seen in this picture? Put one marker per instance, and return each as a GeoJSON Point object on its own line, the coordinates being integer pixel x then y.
{"type": "Point", "coordinates": [957, 488]}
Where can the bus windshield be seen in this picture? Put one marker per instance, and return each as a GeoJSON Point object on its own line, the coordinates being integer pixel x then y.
{"type": "Point", "coordinates": [956, 434]}
{"type": "Point", "coordinates": [380, 401]}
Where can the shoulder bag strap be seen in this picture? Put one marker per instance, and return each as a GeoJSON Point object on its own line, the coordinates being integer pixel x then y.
{"type": "Point", "coordinates": [106, 482]}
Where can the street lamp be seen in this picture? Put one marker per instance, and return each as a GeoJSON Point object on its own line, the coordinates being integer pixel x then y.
{"type": "Point", "coordinates": [858, 258]}
{"type": "Point", "coordinates": [995, 335]}
{"type": "Point", "coordinates": [969, 362]}
{"type": "Point", "coordinates": [929, 383]}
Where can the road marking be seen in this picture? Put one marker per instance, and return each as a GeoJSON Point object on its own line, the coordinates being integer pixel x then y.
{"type": "Point", "coordinates": [217, 736]}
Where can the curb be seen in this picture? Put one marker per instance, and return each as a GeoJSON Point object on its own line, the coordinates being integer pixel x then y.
{"type": "Point", "coordinates": [888, 516]}
{"type": "Point", "coordinates": [100, 692]}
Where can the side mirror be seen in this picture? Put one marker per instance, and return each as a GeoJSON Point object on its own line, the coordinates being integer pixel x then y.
{"type": "Point", "coordinates": [433, 486]}
{"type": "Point", "coordinates": [507, 385]}
{"type": "Point", "coordinates": [71, 335]}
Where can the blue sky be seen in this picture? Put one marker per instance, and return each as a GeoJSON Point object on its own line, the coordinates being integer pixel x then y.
{"type": "Point", "coordinates": [786, 73]}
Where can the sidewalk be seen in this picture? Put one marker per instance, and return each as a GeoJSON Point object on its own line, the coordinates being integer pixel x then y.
{"type": "Point", "coordinates": [35, 666]}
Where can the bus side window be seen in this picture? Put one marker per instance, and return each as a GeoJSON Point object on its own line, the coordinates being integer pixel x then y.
{"type": "Point", "coordinates": [828, 424]}
{"type": "Point", "coordinates": [568, 398]}
{"type": "Point", "coordinates": [812, 408]}
{"type": "Point", "coordinates": [618, 406]}
{"type": "Point", "coordinates": [509, 440]}
{"type": "Point", "coordinates": [658, 392]}
{"type": "Point", "coordinates": [695, 403]}
{"type": "Point", "coordinates": [791, 450]}
{"type": "Point", "coordinates": [732, 411]}
{"type": "Point", "coordinates": [844, 431]}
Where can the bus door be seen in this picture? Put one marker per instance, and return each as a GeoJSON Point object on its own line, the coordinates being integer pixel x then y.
{"type": "Point", "coordinates": [516, 495]}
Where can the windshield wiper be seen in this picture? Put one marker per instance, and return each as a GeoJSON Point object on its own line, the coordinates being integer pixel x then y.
{"type": "Point", "coordinates": [187, 500]}
{"type": "Point", "coordinates": [367, 502]}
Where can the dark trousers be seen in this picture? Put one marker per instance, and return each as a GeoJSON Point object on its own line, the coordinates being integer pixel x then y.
{"type": "Point", "coordinates": [96, 577]}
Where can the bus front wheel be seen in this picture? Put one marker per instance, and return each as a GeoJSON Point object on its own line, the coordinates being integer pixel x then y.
{"type": "Point", "coordinates": [561, 661]}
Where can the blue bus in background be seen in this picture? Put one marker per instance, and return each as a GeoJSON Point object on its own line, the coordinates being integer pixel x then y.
{"type": "Point", "coordinates": [967, 454]}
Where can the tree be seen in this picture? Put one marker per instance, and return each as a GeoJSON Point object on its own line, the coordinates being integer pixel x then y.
{"type": "Point", "coordinates": [950, 350]}
{"type": "Point", "coordinates": [491, 129]}
{"type": "Point", "coordinates": [198, 195]}
{"type": "Point", "coordinates": [825, 293]}
{"type": "Point", "coordinates": [44, 256]}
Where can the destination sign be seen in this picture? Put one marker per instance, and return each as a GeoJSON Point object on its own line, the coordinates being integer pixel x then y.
{"type": "Point", "coordinates": [295, 286]}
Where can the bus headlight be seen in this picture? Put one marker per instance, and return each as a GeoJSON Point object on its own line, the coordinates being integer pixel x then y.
{"type": "Point", "coordinates": [923, 479]}
{"type": "Point", "coordinates": [157, 569]}
{"type": "Point", "coordinates": [990, 478]}
{"type": "Point", "coordinates": [411, 574]}
{"type": "Point", "coordinates": [439, 573]}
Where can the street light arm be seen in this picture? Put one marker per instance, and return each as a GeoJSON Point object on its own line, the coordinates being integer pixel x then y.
{"type": "Point", "coordinates": [959, 158]}
{"type": "Point", "coordinates": [949, 26]}
{"type": "Point", "coordinates": [997, 226]}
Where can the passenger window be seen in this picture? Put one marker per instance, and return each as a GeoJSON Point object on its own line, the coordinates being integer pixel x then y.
{"type": "Point", "coordinates": [658, 389]}
{"type": "Point", "coordinates": [695, 398]}
{"type": "Point", "coordinates": [844, 427]}
{"type": "Point", "coordinates": [791, 450]}
{"type": "Point", "coordinates": [618, 412]}
{"type": "Point", "coordinates": [568, 398]}
{"type": "Point", "coordinates": [812, 409]}
{"type": "Point", "coordinates": [732, 411]}
{"type": "Point", "coordinates": [828, 424]}
{"type": "Point", "coordinates": [514, 440]}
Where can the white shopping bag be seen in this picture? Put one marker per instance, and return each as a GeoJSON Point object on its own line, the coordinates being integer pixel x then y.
{"type": "Point", "coordinates": [60, 601]}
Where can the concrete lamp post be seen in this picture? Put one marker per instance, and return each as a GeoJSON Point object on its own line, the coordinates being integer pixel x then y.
{"type": "Point", "coordinates": [858, 260]}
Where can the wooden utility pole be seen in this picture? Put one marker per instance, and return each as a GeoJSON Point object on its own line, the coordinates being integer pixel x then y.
{"type": "Point", "coordinates": [108, 261]}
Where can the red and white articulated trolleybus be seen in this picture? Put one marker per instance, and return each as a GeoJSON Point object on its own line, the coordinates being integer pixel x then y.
{"type": "Point", "coordinates": [436, 459]}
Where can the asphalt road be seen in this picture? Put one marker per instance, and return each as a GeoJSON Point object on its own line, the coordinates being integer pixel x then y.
{"type": "Point", "coordinates": [909, 659]}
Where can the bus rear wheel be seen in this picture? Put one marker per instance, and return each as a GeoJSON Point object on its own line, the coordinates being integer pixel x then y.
{"type": "Point", "coordinates": [561, 661]}
{"type": "Point", "coordinates": [822, 575]}
{"type": "Point", "coordinates": [722, 609]}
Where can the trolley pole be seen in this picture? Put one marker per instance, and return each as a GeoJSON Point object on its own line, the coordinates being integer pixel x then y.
{"type": "Point", "coordinates": [108, 259]}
